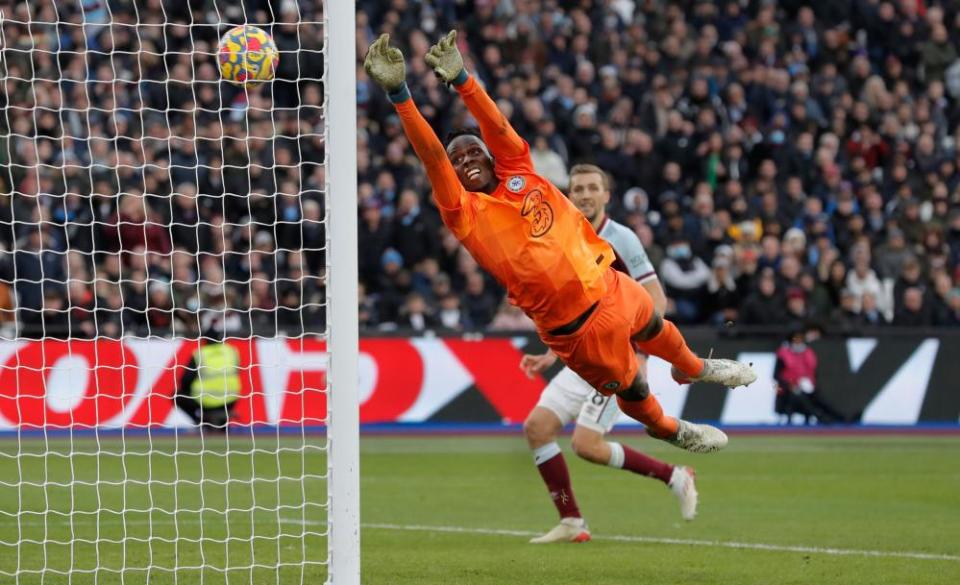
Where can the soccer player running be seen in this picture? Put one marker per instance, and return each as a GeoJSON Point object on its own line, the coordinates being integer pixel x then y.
{"type": "Point", "coordinates": [569, 397]}
{"type": "Point", "coordinates": [530, 237]}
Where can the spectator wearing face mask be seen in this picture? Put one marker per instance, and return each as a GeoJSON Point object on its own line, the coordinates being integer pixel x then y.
{"type": "Point", "coordinates": [685, 279]}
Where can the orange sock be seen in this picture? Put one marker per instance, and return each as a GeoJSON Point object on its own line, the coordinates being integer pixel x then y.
{"type": "Point", "coordinates": [670, 345]}
{"type": "Point", "coordinates": [649, 412]}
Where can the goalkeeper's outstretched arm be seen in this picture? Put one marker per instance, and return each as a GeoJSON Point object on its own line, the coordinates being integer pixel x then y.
{"type": "Point", "coordinates": [447, 189]}
{"type": "Point", "coordinates": [502, 140]}
{"type": "Point", "coordinates": [385, 66]}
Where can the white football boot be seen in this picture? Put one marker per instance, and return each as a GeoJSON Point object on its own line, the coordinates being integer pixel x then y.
{"type": "Point", "coordinates": [696, 438]}
{"type": "Point", "coordinates": [729, 373]}
{"type": "Point", "coordinates": [569, 530]}
{"type": "Point", "coordinates": [683, 486]}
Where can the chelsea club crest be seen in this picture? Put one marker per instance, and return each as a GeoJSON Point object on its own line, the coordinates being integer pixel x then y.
{"type": "Point", "coordinates": [516, 184]}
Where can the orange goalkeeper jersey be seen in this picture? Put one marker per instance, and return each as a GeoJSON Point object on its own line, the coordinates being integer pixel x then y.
{"type": "Point", "coordinates": [526, 233]}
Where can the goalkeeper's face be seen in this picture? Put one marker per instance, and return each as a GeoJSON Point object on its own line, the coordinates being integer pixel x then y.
{"type": "Point", "coordinates": [473, 163]}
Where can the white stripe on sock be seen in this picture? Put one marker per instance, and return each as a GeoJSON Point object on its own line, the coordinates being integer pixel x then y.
{"type": "Point", "coordinates": [616, 455]}
{"type": "Point", "coordinates": [546, 452]}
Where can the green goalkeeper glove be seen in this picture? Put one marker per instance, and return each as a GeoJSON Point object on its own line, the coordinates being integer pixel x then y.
{"type": "Point", "coordinates": [446, 61]}
{"type": "Point", "coordinates": [384, 64]}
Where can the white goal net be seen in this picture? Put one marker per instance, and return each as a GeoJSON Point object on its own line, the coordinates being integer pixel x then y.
{"type": "Point", "coordinates": [177, 296]}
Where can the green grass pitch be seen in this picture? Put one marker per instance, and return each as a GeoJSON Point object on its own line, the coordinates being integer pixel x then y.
{"type": "Point", "coordinates": [459, 510]}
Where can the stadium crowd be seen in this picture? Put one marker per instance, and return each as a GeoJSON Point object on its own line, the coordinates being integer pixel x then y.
{"type": "Point", "coordinates": [779, 160]}
{"type": "Point", "coordinates": [142, 195]}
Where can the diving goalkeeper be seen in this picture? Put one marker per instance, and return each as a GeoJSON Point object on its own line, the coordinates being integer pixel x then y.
{"type": "Point", "coordinates": [528, 235]}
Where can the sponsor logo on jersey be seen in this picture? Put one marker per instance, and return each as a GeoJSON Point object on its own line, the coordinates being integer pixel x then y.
{"type": "Point", "coordinates": [516, 184]}
{"type": "Point", "coordinates": [538, 212]}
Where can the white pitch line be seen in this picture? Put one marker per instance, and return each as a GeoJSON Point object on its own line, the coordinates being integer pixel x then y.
{"type": "Point", "coordinates": [829, 551]}
{"type": "Point", "coordinates": [683, 542]}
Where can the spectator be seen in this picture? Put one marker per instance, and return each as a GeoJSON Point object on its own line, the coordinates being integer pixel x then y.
{"type": "Point", "coordinates": [722, 298]}
{"type": "Point", "coordinates": [376, 236]}
{"type": "Point", "coordinates": [81, 304]}
{"type": "Point", "coordinates": [136, 225]}
{"type": "Point", "coordinates": [846, 319]}
{"type": "Point", "coordinates": [187, 229]}
{"type": "Point", "coordinates": [366, 308]}
{"type": "Point", "coordinates": [795, 374]}
{"type": "Point", "coordinates": [892, 255]}
{"type": "Point", "coordinates": [314, 235]}
{"type": "Point", "coordinates": [764, 305]}
{"type": "Point", "coordinates": [394, 284]}
{"type": "Point", "coordinates": [817, 297]}
{"type": "Point", "coordinates": [414, 231]}
{"type": "Point", "coordinates": [40, 273]}
{"type": "Point", "coordinates": [913, 310]}
{"type": "Point", "coordinates": [684, 277]}
{"type": "Point", "coordinates": [910, 277]}
{"type": "Point", "coordinates": [862, 279]}
{"type": "Point", "coordinates": [937, 54]}
{"type": "Point", "coordinates": [450, 316]}
{"type": "Point", "coordinates": [55, 316]}
{"type": "Point", "coordinates": [415, 314]}
{"type": "Point", "coordinates": [941, 298]}
{"type": "Point", "coordinates": [480, 304]}
{"type": "Point", "coordinates": [548, 163]}
{"type": "Point", "coordinates": [870, 311]}
{"type": "Point", "coordinates": [836, 281]}
{"type": "Point", "coordinates": [797, 305]}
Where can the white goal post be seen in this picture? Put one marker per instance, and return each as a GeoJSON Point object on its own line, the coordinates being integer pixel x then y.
{"type": "Point", "coordinates": [178, 296]}
{"type": "Point", "coordinates": [343, 419]}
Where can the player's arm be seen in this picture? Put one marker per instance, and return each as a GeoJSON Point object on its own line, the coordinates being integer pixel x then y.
{"type": "Point", "coordinates": [533, 364]}
{"type": "Point", "coordinates": [384, 64]}
{"type": "Point", "coordinates": [447, 189]}
{"type": "Point", "coordinates": [659, 297]}
{"type": "Point", "coordinates": [511, 152]}
{"type": "Point", "coordinates": [629, 247]}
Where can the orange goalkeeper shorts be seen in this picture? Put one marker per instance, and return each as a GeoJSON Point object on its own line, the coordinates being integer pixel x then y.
{"type": "Point", "coordinates": [601, 350]}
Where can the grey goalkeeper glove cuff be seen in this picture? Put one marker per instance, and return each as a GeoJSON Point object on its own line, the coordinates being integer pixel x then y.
{"type": "Point", "coordinates": [399, 95]}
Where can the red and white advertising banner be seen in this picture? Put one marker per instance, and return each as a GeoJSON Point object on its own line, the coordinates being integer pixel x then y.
{"type": "Point", "coordinates": [131, 383]}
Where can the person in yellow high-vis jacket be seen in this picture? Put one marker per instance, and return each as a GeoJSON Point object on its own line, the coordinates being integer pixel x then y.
{"type": "Point", "coordinates": [210, 386]}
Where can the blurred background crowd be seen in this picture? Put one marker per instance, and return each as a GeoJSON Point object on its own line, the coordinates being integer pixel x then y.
{"type": "Point", "coordinates": [142, 195]}
{"type": "Point", "coordinates": [781, 161]}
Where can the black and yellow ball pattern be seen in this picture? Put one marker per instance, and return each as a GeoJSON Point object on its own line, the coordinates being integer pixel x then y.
{"type": "Point", "coordinates": [247, 54]}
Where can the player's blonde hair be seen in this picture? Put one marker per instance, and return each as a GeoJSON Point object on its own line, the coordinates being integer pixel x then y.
{"type": "Point", "coordinates": [584, 169]}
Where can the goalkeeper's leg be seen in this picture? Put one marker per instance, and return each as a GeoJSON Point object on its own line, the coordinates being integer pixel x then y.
{"type": "Point", "coordinates": [602, 353]}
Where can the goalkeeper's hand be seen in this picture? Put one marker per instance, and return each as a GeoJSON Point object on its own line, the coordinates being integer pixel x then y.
{"type": "Point", "coordinates": [384, 64]}
{"type": "Point", "coordinates": [445, 59]}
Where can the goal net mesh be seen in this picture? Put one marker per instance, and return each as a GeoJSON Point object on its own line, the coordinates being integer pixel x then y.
{"type": "Point", "coordinates": [148, 209]}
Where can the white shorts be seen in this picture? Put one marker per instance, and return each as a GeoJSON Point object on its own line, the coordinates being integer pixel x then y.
{"type": "Point", "coordinates": [570, 397]}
